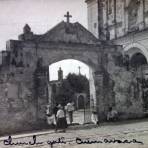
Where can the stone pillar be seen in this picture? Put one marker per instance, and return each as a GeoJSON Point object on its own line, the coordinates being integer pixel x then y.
{"type": "Point", "coordinates": [100, 20]}
{"type": "Point", "coordinates": [41, 93]}
{"type": "Point", "coordinates": [49, 95]}
{"type": "Point", "coordinates": [141, 20]}
{"type": "Point", "coordinates": [99, 103]}
{"type": "Point", "coordinates": [125, 16]}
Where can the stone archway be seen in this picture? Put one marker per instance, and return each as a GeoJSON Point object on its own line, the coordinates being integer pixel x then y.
{"type": "Point", "coordinates": [138, 55]}
{"type": "Point", "coordinates": [137, 60]}
{"type": "Point", "coordinates": [62, 98]}
{"type": "Point", "coordinates": [134, 48]}
{"type": "Point", "coordinates": [37, 52]}
{"type": "Point", "coordinates": [81, 102]}
{"type": "Point", "coordinates": [49, 56]}
{"type": "Point", "coordinates": [93, 56]}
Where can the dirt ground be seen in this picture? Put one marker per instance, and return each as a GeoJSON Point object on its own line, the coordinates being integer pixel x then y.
{"type": "Point", "coordinates": [133, 134]}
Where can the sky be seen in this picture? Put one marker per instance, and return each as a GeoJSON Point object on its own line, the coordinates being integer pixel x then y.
{"type": "Point", "coordinates": [67, 66]}
{"type": "Point", "coordinates": [41, 15]}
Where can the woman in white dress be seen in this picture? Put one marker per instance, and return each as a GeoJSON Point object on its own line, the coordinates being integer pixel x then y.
{"type": "Point", "coordinates": [61, 119]}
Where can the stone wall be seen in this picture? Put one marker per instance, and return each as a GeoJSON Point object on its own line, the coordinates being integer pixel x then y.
{"type": "Point", "coordinates": [127, 92]}
{"type": "Point", "coordinates": [118, 87]}
{"type": "Point", "coordinates": [17, 105]}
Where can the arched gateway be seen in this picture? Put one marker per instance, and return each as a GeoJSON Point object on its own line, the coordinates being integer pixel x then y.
{"type": "Point", "coordinates": [24, 75]}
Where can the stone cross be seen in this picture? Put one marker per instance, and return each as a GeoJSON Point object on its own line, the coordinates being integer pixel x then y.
{"type": "Point", "coordinates": [68, 16]}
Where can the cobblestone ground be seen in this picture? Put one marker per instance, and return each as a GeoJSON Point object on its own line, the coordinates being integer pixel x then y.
{"type": "Point", "coordinates": [136, 130]}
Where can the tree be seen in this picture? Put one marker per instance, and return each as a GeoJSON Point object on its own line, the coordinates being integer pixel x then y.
{"type": "Point", "coordinates": [78, 83]}
{"type": "Point", "coordinates": [70, 86]}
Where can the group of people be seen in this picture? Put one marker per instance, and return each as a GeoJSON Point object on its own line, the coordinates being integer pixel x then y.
{"type": "Point", "coordinates": [112, 115]}
{"type": "Point", "coordinates": [57, 117]}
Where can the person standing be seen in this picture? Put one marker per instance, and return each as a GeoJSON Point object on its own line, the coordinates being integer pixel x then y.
{"type": "Point", "coordinates": [94, 118]}
{"type": "Point", "coordinates": [50, 116]}
{"type": "Point", "coordinates": [70, 109]}
{"type": "Point", "coordinates": [61, 119]}
{"type": "Point", "coordinates": [112, 115]}
{"type": "Point", "coordinates": [50, 120]}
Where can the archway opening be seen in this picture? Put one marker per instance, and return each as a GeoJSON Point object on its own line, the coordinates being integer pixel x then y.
{"type": "Point", "coordinates": [137, 60]}
{"type": "Point", "coordinates": [71, 81]}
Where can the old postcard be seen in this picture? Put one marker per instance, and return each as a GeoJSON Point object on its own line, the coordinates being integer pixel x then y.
{"type": "Point", "coordinates": [74, 73]}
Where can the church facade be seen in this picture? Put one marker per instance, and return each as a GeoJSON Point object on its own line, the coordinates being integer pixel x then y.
{"type": "Point", "coordinates": [125, 23]}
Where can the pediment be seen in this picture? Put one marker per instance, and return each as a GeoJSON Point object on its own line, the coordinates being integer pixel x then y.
{"type": "Point", "coordinates": [69, 33]}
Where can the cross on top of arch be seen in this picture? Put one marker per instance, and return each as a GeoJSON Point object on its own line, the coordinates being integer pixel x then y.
{"type": "Point", "coordinates": [68, 16]}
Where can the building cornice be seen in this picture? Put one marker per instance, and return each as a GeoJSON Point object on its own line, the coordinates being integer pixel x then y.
{"type": "Point", "coordinates": [87, 1]}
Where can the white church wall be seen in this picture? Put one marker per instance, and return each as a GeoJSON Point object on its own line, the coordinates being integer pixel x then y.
{"type": "Point", "coordinates": [92, 13]}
